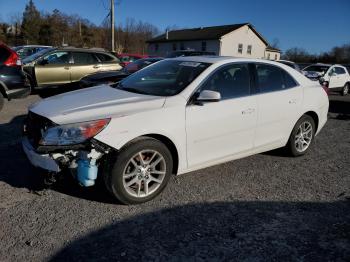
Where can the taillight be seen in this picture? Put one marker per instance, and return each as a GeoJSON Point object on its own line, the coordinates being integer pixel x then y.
{"type": "Point", "coordinates": [13, 60]}
{"type": "Point", "coordinates": [324, 85]}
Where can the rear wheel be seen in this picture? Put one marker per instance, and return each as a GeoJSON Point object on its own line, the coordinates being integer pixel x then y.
{"type": "Point", "coordinates": [345, 90]}
{"type": "Point", "coordinates": [140, 172]}
{"type": "Point", "coordinates": [302, 136]}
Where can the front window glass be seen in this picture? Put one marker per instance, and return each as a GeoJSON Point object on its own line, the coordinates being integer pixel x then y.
{"type": "Point", "coordinates": [339, 70]}
{"type": "Point", "coordinates": [35, 56]}
{"type": "Point", "coordinates": [165, 78]}
{"type": "Point", "coordinates": [231, 81]}
{"type": "Point", "coordinates": [57, 58]}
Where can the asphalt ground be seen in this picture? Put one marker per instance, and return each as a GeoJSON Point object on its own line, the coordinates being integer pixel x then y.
{"type": "Point", "coordinates": [267, 207]}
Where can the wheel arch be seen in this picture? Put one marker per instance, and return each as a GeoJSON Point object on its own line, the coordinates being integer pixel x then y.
{"type": "Point", "coordinates": [167, 142]}
{"type": "Point", "coordinates": [3, 90]}
{"type": "Point", "coordinates": [315, 117]}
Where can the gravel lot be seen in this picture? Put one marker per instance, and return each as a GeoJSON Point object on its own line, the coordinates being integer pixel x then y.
{"type": "Point", "coordinates": [268, 207]}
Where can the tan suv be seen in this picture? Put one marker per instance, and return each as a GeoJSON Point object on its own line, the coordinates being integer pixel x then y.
{"type": "Point", "coordinates": [60, 66]}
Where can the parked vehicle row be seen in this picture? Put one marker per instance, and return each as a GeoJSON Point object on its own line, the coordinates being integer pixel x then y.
{"type": "Point", "coordinates": [173, 117]}
{"type": "Point", "coordinates": [28, 50]}
{"type": "Point", "coordinates": [65, 66]}
{"type": "Point", "coordinates": [111, 77]}
{"type": "Point", "coordinates": [335, 77]}
{"type": "Point", "coordinates": [13, 81]}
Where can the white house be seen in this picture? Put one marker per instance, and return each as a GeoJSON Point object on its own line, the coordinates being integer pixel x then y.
{"type": "Point", "coordinates": [239, 40]}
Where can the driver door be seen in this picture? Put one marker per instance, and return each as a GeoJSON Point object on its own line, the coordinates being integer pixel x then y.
{"type": "Point", "coordinates": [53, 69]}
{"type": "Point", "coordinates": [217, 130]}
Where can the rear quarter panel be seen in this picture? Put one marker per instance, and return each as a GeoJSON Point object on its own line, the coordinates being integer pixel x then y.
{"type": "Point", "coordinates": [316, 100]}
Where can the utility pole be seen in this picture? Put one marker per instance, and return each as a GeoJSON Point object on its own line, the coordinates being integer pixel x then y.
{"type": "Point", "coordinates": [112, 25]}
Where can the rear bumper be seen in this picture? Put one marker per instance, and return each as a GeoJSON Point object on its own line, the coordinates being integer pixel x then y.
{"type": "Point", "coordinates": [42, 161]}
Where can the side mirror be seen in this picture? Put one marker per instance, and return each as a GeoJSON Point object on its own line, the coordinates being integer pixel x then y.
{"type": "Point", "coordinates": [209, 96]}
{"type": "Point", "coordinates": [43, 62]}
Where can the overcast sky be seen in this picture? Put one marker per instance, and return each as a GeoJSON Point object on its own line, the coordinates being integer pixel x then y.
{"type": "Point", "coordinates": [316, 25]}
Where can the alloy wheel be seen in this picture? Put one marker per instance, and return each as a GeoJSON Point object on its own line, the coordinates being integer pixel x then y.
{"type": "Point", "coordinates": [144, 173]}
{"type": "Point", "coordinates": [303, 136]}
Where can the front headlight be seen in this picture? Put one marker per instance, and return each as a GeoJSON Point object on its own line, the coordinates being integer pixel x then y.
{"type": "Point", "coordinates": [73, 133]}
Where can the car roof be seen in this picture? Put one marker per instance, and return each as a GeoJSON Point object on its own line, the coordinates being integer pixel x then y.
{"type": "Point", "coordinates": [286, 61]}
{"type": "Point", "coordinates": [221, 59]}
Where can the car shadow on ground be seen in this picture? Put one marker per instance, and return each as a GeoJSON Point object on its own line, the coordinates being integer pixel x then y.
{"type": "Point", "coordinates": [223, 231]}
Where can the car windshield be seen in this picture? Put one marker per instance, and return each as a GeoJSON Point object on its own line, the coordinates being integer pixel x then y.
{"type": "Point", "coordinates": [166, 78]}
{"type": "Point", "coordinates": [34, 56]}
{"type": "Point", "coordinates": [316, 68]}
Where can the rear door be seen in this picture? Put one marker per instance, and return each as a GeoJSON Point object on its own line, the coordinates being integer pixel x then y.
{"type": "Point", "coordinates": [108, 62]}
{"type": "Point", "coordinates": [279, 99]}
{"type": "Point", "coordinates": [53, 69]}
{"type": "Point", "coordinates": [83, 64]}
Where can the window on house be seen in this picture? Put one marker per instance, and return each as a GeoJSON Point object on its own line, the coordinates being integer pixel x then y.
{"type": "Point", "coordinates": [204, 46]}
{"type": "Point", "coordinates": [182, 46]}
{"type": "Point", "coordinates": [156, 47]}
{"type": "Point", "coordinates": [174, 46]}
{"type": "Point", "coordinates": [249, 49]}
{"type": "Point", "coordinates": [268, 55]}
{"type": "Point", "coordinates": [240, 48]}
{"type": "Point", "coordinates": [275, 56]}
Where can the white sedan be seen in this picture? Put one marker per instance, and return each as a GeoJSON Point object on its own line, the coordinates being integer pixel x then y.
{"type": "Point", "coordinates": [175, 116]}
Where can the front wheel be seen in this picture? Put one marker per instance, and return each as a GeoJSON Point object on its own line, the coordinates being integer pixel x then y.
{"type": "Point", "coordinates": [345, 90]}
{"type": "Point", "coordinates": [302, 136]}
{"type": "Point", "coordinates": [140, 172]}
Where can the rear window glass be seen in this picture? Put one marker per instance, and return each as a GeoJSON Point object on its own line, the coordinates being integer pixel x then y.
{"type": "Point", "coordinates": [106, 58]}
{"type": "Point", "coordinates": [4, 54]}
{"type": "Point", "coordinates": [272, 78]}
{"type": "Point", "coordinates": [84, 58]}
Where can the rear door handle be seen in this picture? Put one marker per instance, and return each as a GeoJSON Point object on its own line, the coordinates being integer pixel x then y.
{"type": "Point", "coordinates": [248, 111]}
{"type": "Point", "coordinates": [293, 101]}
{"type": "Point", "coordinates": [96, 66]}
{"type": "Point", "coordinates": [67, 67]}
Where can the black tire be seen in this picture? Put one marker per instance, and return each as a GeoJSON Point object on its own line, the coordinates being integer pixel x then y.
{"type": "Point", "coordinates": [291, 145]}
{"type": "Point", "coordinates": [114, 179]}
{"type": "Point", "coordinates": [2, 101]}
{"type": "Point", "coordinates": [345, 90]}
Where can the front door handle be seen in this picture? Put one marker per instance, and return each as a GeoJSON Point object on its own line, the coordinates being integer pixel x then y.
{"type": "Point", "coordinates": [67, 67]}
{"type": "Point", "coordinates": [96, 66]}
{"type": "Point", "coordinates": [293, 101]}
{"type": "Point", "coordinates": [248, 111]}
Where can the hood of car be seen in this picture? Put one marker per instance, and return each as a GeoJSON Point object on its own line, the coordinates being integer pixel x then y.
{"type": "Point", "coordinates": [94, 103]}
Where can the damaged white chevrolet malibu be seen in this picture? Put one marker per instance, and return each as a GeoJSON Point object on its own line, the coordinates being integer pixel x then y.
{"type": "Point", "coordinates": [173, 117]}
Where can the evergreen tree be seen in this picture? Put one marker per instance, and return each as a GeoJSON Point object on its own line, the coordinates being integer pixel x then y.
{"type": "Point", "coordinates": [31, 24]}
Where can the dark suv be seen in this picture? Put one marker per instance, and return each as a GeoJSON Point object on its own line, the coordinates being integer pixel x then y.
{"type": "Point", "coordinates": [13, 81]}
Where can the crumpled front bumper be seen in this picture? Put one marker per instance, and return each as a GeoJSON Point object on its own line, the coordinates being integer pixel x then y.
{"type": "Point", "coordinates": [43, 161]}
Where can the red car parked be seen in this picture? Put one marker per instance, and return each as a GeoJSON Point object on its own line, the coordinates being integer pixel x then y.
{"type": "Point", "coordinates": [126, 59]}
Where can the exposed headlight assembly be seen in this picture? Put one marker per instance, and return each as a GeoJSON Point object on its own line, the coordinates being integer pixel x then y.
{"type": "Point", "coordinates": [71, 134]}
